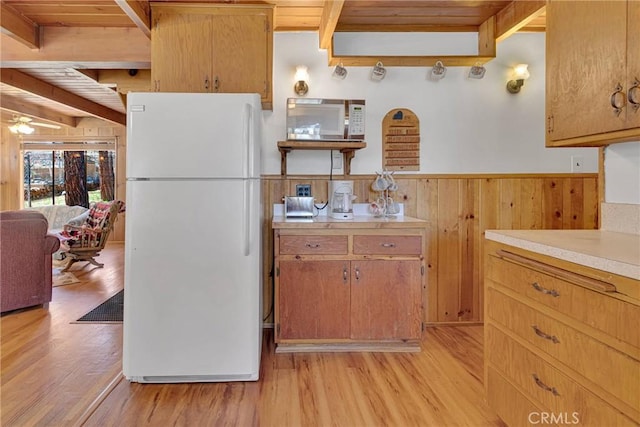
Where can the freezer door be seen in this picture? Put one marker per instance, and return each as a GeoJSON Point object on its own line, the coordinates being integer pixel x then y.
{"type": "Point", "coordinates": [198, 135]}
{"type": "Point", "coordinates": [193, 284]}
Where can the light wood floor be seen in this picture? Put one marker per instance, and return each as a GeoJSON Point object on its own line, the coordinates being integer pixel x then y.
{"type": "Point", "coordinates": [55, 373]}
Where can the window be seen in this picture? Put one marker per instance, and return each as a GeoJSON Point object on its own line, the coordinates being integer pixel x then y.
{"type": "Point", "coordinates": [72, 175]}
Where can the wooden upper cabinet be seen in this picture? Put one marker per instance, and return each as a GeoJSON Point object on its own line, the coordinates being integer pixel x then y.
{"type": "Point", "coordinates": [207, 48]}
{"type": "Point", "coordinates": [592, 56]}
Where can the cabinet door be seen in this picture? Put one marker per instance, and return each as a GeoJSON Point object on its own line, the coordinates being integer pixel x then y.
{"type": "Point", "coordinates": [313, 300]}
{"type": "Point", "coordinates": [633, 64]}
{"type": "Point", "coordinates": [242, 53]}
{"type": "Point", "coordinates": [181, 52]}
{"type": "Point", "coordinates": [385, 299]}
{"type": "Point", "coordinates": [586, 63]}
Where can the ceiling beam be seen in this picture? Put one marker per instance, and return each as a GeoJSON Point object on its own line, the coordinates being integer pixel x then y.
{"type": "Point", "coordinates": [139, 12]}
{"type": "Point", "coordinates": [80, 47]}
{"type": "Point", "coordinates": [516, 15]}
{"type": "Point", "coordinates": [19, 27]}
{"type": "Point", "coordinates": [328, 21]}
{"type": "Point", "coordinates": [487, 37]}
{"type": "Point", "coordinates": [43, 89]}
{"type": "Point", "coordinates": [17, 106]}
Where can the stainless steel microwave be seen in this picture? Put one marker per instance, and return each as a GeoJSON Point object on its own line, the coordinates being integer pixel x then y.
{"type": "Point", "coordinates": [317, 119]}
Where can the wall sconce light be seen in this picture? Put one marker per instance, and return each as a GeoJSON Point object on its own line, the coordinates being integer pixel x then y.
{"type": "Point", "coordinates": [477, 71]}
{"type": "Point", "coordinates": [520, 74]}
{"type": "Point", "coordinates": [301, 87]}
{"type": "Point", "coordinates": [378, 72]}
{"type": "Point", "coordinates": [438, 71]}
{"type": "Point", "coordinates": [339, 72]}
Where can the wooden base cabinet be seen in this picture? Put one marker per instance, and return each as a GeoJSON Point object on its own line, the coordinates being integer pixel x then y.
{"type": "Point", "coordinates": [559, 341]}
{"type": "Point", "coordinates": [348, 288]}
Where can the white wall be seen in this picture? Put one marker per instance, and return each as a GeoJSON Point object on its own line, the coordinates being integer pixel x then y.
{"type": "Point", "coordinates": [467, 126]}
{"type": "Point", "coordinates": [622, 173]}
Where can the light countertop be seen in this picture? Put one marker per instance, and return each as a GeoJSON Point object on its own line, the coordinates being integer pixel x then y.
{"type": "Point", "coordinates": [358, 221]}
{"type": "Point", "coordinates": [609, 251]}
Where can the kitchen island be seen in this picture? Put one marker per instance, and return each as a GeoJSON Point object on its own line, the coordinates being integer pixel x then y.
{"type": "Point", "coordinates": [349, 285]}
{"type": "Point", "coordinates": [561, 326]}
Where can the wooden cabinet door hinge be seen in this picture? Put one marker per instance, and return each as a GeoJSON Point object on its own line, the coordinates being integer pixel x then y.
{"type": "Point", "coordinates": [550, 124]}
{"type": "Point", "coordinates": [278, 328]}
{"type": "Point", "coordinates": [422, 270]}
{"type": "Point", "coordinates": [267, 27]}
{"type": "Point", "coordinates": [277, 271]}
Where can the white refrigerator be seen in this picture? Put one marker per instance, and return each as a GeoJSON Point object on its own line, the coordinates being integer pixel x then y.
{"type": "Point", "coordinates": [193, 264]}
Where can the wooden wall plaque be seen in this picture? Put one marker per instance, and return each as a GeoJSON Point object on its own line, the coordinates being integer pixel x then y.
{"type": "Point", "coordinates": [401, 140]}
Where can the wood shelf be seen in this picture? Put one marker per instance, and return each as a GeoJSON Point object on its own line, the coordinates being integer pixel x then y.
{"type": "Point", "coordinates": [347, 148]}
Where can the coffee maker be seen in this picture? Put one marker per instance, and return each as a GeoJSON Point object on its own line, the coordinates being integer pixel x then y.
{"type": "Point", "coordinates": [341, 199]}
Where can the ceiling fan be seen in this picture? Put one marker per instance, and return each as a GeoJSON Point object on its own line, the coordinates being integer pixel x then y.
{"type": "Point", "coordinates": [22, 125]}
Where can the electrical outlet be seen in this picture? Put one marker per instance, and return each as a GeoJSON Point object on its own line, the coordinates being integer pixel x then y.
{"type": "Point", "coordinates": [337, 159]}
{"type": "Point", "coordinates": [577, 164]}
{"type": "Point", "coordinates": [303, 190]}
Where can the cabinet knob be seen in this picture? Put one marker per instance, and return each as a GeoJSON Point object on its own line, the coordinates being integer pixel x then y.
{"type": "Point", "coordinates": [633, 96]}
{"type": "Point", "coordinates": [617, 99]}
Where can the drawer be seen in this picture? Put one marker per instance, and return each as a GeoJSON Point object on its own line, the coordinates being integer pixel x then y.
{"type": "Point", "coordinates": [510, 405]}
{"type": "Point", "coordinates": [546, 384]}
{"type": "Point", "coordinates": [313, 245]}
{"type": "Point", "coordinates": [612, 370]}
{"type": "Point", "coordinates": [387, 245]}
{"type": "Point", "coordinates": [598, 310]}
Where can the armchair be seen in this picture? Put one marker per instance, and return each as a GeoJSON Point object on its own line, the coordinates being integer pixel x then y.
{"type": "Point", "coordinates": [84, 243]}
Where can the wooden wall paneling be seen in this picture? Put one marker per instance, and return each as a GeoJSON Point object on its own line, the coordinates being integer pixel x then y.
{"type": "Point", "coordinates": [590, 203]}
{"type": "Point", "coordinates": [488, 220]}
{"type": "Point", "coordinates": [470, 256]}
{"type": "Point", "coordinates": [406, 193]}
{"type": "Point", "coordinates": [509, 209]}
{"type": "Point", "coordinates": [454, 239]}
{"type": "Point", "coordinates": [531, 203]}
{"type": "Point", "coordinates": [448, 250]}
{"type": "Point", "coordinates": [572, 203]}
{"type": "Point", "coordinates": [427, 209]}
{"type": "Point", "coordinates": [552, 203]}
{"type": "Point", "coordinates": [10, 197]}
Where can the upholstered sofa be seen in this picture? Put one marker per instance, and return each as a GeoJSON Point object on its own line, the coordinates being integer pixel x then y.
{"type": "Point", "coordinates": [25, 259]}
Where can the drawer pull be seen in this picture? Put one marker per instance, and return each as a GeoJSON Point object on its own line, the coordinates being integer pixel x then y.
{"type": "Point", "coordinates": [357, 273]}
{"type": "Point", "coordinates": [312, 245]}
{"type": "Point", "coordinates": [345, 275]}
{"type": "Point", "coordinates": [545, 291]}
{"type": "Point", "coordinates": [545, 387]}
{"type": "Point", "coordinates": [541, 334]}
{"type": "Point", "coordinates": [388, 245]}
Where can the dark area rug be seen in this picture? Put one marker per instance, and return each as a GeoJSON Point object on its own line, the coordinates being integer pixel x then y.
{"type": "Point", "coordinates": [109, 311]}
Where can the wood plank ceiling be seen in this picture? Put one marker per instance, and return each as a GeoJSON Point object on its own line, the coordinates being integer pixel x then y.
{"type": "Point", "coordinates": [62, 61]}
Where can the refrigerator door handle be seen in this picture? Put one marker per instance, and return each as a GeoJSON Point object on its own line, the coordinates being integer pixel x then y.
{"type": "Point", "coordinates": [247, 136]}
{"type": "Point", "coordinates": [246, 226]}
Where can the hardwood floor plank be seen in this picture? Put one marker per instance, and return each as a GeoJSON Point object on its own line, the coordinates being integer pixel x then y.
{"type": "Point", "coordinates": [53, 371]}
